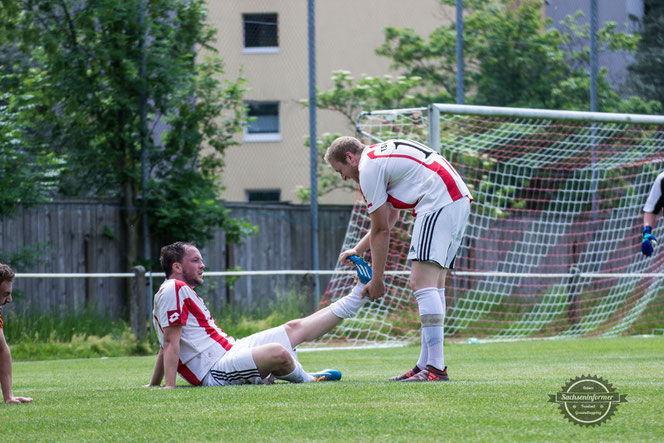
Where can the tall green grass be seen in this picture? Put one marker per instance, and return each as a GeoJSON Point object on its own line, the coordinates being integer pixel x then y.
{"type": "Point", "coordinates": [33, 326]}
{"type": "Point", "coordinates": [35, 336]}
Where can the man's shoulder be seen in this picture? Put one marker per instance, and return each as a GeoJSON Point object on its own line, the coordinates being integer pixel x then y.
{"type": "Point", "coordinates": [175, 287]}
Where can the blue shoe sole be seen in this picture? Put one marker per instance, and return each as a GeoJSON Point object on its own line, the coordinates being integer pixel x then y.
{"type": "Point", "coordinates": [364, 272]}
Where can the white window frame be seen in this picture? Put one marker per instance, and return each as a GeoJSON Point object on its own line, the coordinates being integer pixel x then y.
{"type": "Point", "coordinates": [261, 50]}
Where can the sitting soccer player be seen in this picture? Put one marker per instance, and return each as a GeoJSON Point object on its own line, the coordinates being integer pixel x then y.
{"type": "Point", "coordinates": [204, 355]}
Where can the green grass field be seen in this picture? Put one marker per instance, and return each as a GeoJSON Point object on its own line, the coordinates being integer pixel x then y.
{"type": "Point", "coordinates": [499, 392]}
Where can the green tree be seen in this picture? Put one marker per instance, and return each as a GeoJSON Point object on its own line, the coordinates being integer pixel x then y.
{"type": "Point", "coordinates": [647, 78]}
{"type": "Point", "coordinates": [88, 56]}
{"type": "Point", "coordinates": [512, 55]}
{"type": "Point", "coordinates": [28, 173]}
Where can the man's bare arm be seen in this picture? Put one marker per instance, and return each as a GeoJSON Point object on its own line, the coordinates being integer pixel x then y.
{"type": "Point", "coordinates": [171, 353]}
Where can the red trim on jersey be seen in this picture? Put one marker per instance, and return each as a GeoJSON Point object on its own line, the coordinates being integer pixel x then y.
{"type": "Point", "coordinates": [398, 204]}
{"type": "Point", "coordinates": [204, 323]}
{"type": "Point", "coordinates": [184, 312]}
{"type": "Point", "coordinates": [186, 373]}
{"type": "Point", "coordinates": [158, 324]}
{"type": "Point", "coordinates": [443, 173]}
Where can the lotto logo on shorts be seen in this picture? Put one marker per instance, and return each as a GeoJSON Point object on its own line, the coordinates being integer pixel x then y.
{"type": "Point", "coordinates": [173, 317]}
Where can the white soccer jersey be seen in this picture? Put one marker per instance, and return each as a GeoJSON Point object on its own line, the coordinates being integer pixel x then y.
{"type": "Point", "coordinates": [408, 175]}
{"type": "Point", "coordinates": [655, 199]}
{"type": "Point", "coordinates": [202, 343]}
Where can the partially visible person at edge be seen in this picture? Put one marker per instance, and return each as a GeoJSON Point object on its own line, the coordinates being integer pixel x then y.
{"type": "Point", "coordinates": [405, 174]}
{"type": "Point", "coordinates": [204, 355]}
{"type": "Point", "coordinates": [6, 282]}
{"type": "Point", "coordinates": [651, 208]}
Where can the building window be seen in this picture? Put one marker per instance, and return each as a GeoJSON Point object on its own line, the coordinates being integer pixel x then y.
{"type": "Point", "coordinates": [264, 195]}
{"type": "Point", "coordinates": [263, 125]}
{"type": "Point", "coordinates": [260, 33]}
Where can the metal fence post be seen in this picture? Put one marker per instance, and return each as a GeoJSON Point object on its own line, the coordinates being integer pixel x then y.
{"type": "Point", "coordinates": [434, 128]}
{"type": "Point", "coordinates": [137, 302]}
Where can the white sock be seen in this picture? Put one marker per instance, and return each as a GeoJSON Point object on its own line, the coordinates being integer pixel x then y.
{"type": "Point", "coordinates": [299, 375]}
{"type": "Point", "coordinates": [424, 354]}
{"type": "Point", "coordinates": [431, 315]}
{"type": "Point", "coordinates": [441, 292]}
{"type": "Point", "coordinates": [348, 305]}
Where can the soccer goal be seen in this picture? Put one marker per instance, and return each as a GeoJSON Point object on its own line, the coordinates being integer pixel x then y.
{"type": "Point", "coordinates": [553, 243]}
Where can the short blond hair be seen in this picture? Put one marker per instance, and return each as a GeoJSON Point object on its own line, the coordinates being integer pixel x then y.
{"type": "Point", "coordinates": [339, 147]}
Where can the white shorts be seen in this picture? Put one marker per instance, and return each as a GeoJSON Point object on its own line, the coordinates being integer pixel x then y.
{"type": "Point", "coordinates": [237, 366]}
{"type": "Point", "coordinates": [438, 234]}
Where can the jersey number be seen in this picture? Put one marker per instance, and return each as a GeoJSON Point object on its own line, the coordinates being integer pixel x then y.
{"type": "Point", "coordinates": [427, 151]}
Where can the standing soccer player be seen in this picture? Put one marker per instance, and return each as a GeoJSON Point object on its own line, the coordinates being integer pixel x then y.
{"type": "Point", "coordinates": [204, 355]}
{"type": "Point", "coordinates": [405, 174]}
{"type": "Point", "coordinates": [652, 207]}
{"type": "Point", "coordinates": [6, 282]}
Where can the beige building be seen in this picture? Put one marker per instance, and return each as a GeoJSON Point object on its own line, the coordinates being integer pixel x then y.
{"type": "Point", "coordinates": [267, 40]}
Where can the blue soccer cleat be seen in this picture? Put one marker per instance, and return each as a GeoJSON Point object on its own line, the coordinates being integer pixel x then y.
{"type": "Point", "coordinates": [327, 375]}
{"type": "Point", "coordinates": [364, 273]}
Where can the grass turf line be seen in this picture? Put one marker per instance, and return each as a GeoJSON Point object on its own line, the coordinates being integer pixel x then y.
{"type": "Point", "coordinates": [499, 392]}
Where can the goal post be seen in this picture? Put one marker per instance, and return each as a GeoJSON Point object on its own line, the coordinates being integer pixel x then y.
{"type": "Point", "coordinates": [552, 244]}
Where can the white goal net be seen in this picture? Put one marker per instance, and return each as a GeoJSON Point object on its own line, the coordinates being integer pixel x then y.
{"type": "Point", "coordinates": [553, 243]}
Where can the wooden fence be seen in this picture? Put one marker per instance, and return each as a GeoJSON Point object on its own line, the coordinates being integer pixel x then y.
{"type": "Point", "coordinates": [86, 236]}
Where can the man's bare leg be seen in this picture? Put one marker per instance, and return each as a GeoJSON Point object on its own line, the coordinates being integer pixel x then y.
{"type": "Point", "coordinates": [312, 327]}
{"type": "Point", "coordinates": [272, 358]}
{"type": "Point", "coordinates": [321, 322]}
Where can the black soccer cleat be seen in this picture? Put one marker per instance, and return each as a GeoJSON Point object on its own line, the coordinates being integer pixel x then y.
{"type": "Point", "coordinates": [408, 374]}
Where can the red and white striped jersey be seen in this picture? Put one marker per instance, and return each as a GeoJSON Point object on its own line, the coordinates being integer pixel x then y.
{"type": "Point", "coordinates": [408, 175]}
{"type": "Point", "coordinates": [202, 343]}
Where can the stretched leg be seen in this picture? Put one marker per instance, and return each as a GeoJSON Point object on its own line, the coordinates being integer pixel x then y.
{"type": "Point", "coordinates": [311, 327]}
{"type": "Point", "coordinates": [321, 322]}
